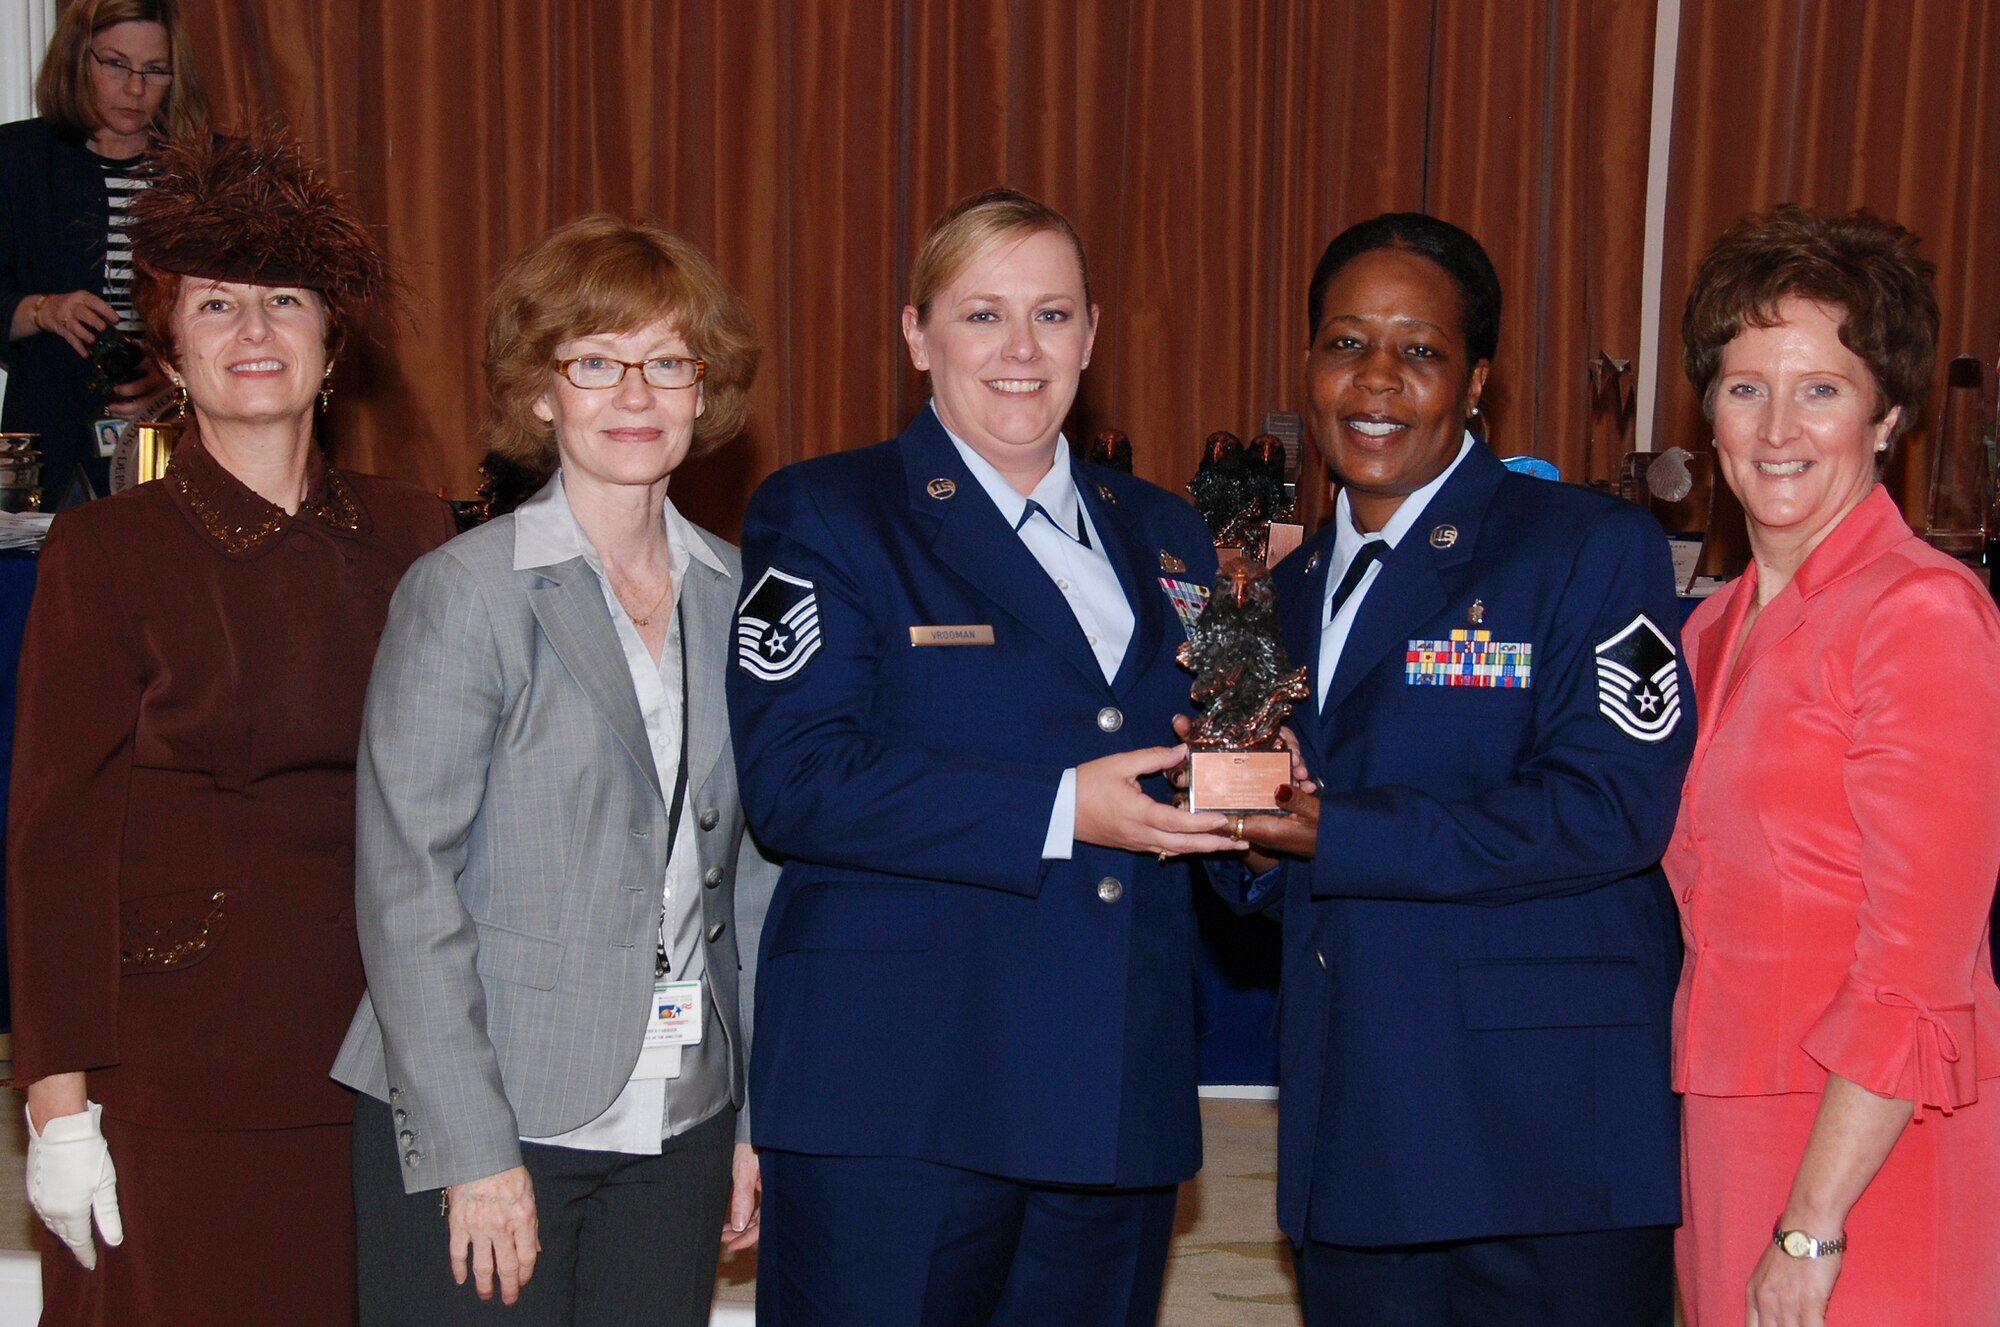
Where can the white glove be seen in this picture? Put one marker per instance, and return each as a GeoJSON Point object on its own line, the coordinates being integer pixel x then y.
{"type": "Point", "coordinates": [71, 1178]}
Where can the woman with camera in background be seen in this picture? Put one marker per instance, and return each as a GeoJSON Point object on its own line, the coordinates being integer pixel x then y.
{"type": "Point", "coordinates": [118, 77]}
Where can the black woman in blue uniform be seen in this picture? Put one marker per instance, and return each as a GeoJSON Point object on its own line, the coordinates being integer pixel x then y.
{"type": "Point", "coordinates": [1479, 960]}
{"type": "Point", "coordinates": [974, 1066]}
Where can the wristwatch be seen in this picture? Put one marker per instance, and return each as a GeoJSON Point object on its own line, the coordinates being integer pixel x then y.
{"type": "Point", "coordinates": [1798, 1244]}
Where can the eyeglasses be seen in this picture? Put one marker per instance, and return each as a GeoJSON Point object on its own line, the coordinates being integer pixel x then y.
{"type": "Point", "coordinates": [598, 373]}
{"type": "Point", "coordinates": [121, 72]}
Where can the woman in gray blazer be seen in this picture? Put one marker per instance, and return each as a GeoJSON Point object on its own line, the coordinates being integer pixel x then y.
{"type": "Point", "coordinates": [558, 904]}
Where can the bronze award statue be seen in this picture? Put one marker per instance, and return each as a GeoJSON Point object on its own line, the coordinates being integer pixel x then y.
{"type": "Point", "coordinates": [1240, 491]}
{"type": "Point", "coordinates": [1245, 686]}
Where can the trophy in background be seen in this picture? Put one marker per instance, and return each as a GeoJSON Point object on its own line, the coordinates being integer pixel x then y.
{"type": "Point", "coordinates": [1245, 687]}
{"type": "Point", "coordinates": [1110, 448]}
{"type": "Point", "coordinates": [1240, 491]}
{"type": "Point", "coordinates": [141, 447]}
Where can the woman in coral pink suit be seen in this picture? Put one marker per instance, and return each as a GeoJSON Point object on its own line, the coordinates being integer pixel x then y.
{"type": "Point", "coordinates": [1837, 1030]}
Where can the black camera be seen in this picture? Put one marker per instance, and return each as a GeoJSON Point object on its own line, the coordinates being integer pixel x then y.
{"type": "Point", "coordinates": [116, 358]}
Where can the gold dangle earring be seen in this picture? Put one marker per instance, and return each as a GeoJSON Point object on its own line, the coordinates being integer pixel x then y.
{"type": "Point", "coordinates": [178, 407]}
{"type": "Point", "coordinates": [326, 390]}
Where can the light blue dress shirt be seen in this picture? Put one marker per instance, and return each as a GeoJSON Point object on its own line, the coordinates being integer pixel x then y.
{"type": "Point", "coordinates": [1347, 542]}
{"type": "Point", "coordinates": [1080, 569]}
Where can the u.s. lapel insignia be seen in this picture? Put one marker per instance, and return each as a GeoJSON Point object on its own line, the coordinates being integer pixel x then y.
{"type": "Point", "coordinates": [1475, 614]}
{"type": "Point", "coordinates": [1443, 536]}
{"type": "Point", "coordinates": [1312, 564]}
{"type": "Point", "coordinates": [1638, 686]}
{"type": "Point", "coordinates": [940, 488]}
{"type": "Point", "coordinates": [1171, 564]}
{"type": "Point", "coordinates": [1104, 491]}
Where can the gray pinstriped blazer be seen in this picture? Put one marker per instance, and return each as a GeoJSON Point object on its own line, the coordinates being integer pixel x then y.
{"type": "Point", "coordinates": [511, 844]}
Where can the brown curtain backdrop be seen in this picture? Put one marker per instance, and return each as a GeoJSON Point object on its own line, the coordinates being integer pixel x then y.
{"type": "Point", "coordinates": [1207, 152]}
{"type": "Point", "coordinates": [1840, 104]}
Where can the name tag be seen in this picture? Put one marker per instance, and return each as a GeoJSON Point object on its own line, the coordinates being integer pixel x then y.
{"type": "Point", "coordinates": [675, 1017]}
{"type": "Point", "coordinates": [1469, 659]}
{"type": "Point", "coordinates": [673, 1020]}
{"type": "Point", "coordinates": [971, 634]}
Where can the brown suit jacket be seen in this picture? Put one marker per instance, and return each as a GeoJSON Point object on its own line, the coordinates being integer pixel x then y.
{"type": "Point", "coordinates": [180, 872]}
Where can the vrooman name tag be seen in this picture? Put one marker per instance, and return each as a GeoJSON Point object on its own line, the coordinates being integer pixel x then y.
{"type": "Point", "coordinates": [980, 634]}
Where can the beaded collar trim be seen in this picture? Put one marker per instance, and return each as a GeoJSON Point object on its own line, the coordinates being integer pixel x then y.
{"type": "Point", "coordinates": [240, 521]}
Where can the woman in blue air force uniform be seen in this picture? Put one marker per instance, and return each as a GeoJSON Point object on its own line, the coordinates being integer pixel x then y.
{"type": "Point", "coordinates": [974, 1068]}
{"type": "Point", "coordinates": [1479, 960]}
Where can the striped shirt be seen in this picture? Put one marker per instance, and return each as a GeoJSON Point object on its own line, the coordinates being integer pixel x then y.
{"type": "Point", "coordinates": [122, 182]}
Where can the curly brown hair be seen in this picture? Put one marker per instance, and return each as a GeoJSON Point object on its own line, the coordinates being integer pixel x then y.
{"type": "Point", "coordinates": [62, 88]}
{"type": "Point", "coordinates": [1861, 264]}
{"type": "Point", "coordinates": [599, 274]}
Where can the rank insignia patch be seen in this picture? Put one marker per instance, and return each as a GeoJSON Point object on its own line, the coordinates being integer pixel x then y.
{"type": "Point", "coordinates": [777, 628]}
{"type": "Point", "coordinates": [1189, 599]}
{"type": "Point", "coordinates": [1469, 659]}
{"type": "Point", "coordinates": [1637, 687]}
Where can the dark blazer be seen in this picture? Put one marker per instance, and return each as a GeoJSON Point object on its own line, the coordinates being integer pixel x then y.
{"type": "Point", "coordinates": [930, 987]}
{"type": "Point", "coordinates": [1479, 963]}
{"type": "Point", "coordinates": [53, 212]}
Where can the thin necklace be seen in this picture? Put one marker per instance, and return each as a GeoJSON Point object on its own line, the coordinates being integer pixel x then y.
{"type": "Point", "coordinates": [647, 620]}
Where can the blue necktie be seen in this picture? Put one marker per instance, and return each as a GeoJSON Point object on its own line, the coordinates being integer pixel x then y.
{"type": "Point", "coordinates": [1365, 557]}
{"type": "Point", "coordinates": [1034, 508]}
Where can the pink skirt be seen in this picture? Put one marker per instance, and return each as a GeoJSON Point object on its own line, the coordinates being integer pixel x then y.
{"type": "Point", "coordinates": [1924, 1241]}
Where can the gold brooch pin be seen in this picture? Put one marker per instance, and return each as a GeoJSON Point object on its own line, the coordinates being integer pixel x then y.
{"type": "Point", "coordinates": [940, 488]}
{"type": "Point", "coordinates": [1443, 536]}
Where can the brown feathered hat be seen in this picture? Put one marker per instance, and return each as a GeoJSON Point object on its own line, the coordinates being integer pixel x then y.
{"type": "Point", "coordinates": [254, 208]}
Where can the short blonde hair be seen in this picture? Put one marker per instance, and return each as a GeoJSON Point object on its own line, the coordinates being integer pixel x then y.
{"type": "Point", "coordinates": [973, 227]}
{"type": "Point", "coordinates": [62, 88]}
{"type": "Point", "coordinates": [602, 274]}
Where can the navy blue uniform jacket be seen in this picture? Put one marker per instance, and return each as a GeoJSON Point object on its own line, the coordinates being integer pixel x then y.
{"type": "Point", "coordinates": [929, 986]}
{"type": "Point", "coordinates": [53, 212]}
{"type": "Point", "coordinates": [1479, 963]}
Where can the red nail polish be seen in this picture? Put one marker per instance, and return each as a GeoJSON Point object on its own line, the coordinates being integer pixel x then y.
{"type": "Point", "coordinates": [1284, 793]}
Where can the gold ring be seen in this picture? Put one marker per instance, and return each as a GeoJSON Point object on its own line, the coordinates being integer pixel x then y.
{"type": "Point", "coordinates": [1239, 827]}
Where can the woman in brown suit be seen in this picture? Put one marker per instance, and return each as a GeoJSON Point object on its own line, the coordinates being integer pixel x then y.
{"type": "Point", "coordinates": [181, 918]}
